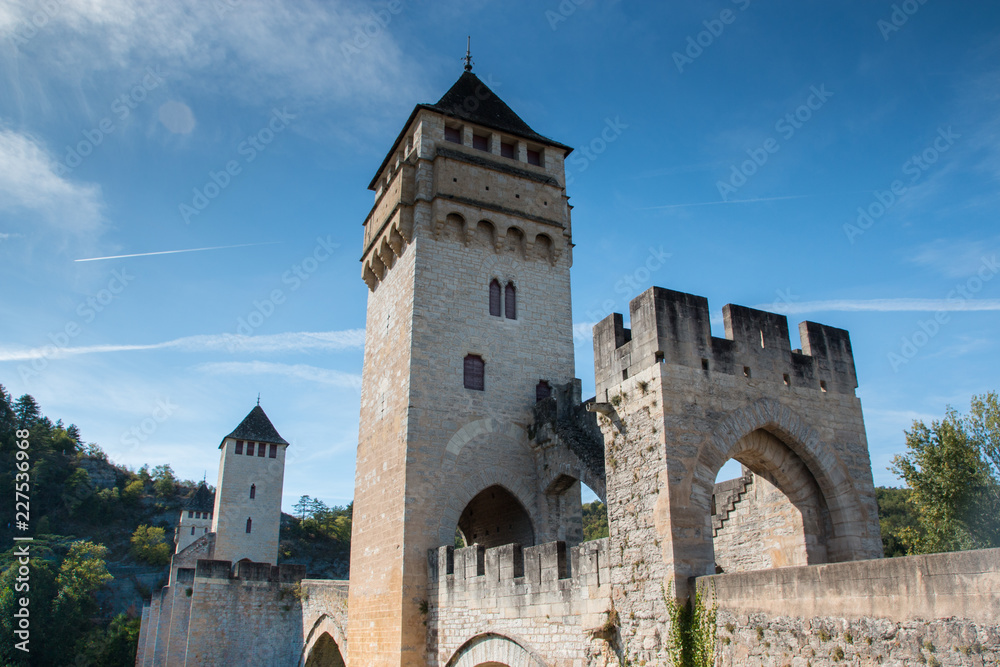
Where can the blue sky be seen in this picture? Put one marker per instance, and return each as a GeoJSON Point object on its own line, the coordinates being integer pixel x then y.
{"type": "Point", "coordinates": [744, 139]}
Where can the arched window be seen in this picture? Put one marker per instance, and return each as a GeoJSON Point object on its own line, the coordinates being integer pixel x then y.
{"type": "Point", "coordinates": [253, 491]}
{"type": "Point", "coordinates": [542, 390]}
{"type": "Point", "coordinates": [474, 372]}
{"type": "Point", "coordinates": [510, 301]}
{"type": "Point", "coordinates": [192, 530]}
{"type": "Point", "coordinates": [249, 524]}
{"type": "Point", "coordinates": [495, 298]}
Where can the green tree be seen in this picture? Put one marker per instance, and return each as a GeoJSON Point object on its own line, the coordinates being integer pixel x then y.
{"type": "Point", "coordinates": [81, 574]}
{"type": "Point", "coordinates": [133, 492]}
{"type": "Point", "coordinates": [896, 518]}
{"type": "Point", "coordinates": [149, 544]}
{"type": "Point", "coordinates": [952, 471]}
{"type": "Point", "coordinates": [164, 481]}
{"type": "Point", "coordinates": [595, 521]}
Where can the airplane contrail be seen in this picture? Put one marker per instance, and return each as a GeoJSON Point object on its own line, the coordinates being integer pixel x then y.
{"type": "Point", "coordinates": [730, 201]}
{"type": "Point", "coordinates": [171, 252]}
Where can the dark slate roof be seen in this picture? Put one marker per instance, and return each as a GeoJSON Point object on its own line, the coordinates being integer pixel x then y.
{"type": "Point", "coordinates": [203, 500]}
{"type": "Point", "coordinates": [256, 426]}
{"type": "Point", "coordinates": [472, 100]}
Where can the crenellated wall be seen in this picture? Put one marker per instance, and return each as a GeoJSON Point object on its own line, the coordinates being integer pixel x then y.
{"type": "Point", "coordinates": [675, 328]}
{"type": "Point", "coordinates": [554, 600]}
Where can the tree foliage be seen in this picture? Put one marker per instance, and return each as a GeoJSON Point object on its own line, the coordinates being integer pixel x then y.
{"type": "Point", "coordinates": [952, 468]}
{"type": "Point", "coordinates": [595, 521]}
{"type": "Point", "coordinates": [149, 544]}
{"type": "Point", "coordinates": [896, 518]}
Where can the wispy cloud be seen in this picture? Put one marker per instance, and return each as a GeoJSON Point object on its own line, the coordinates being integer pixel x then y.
{"type": "Point", "coordinates": [583, 331]}
{"type": "Point", "coordinates": [955, 258]}
{"type": "Point", "coordinates": [257, 50]}
{"type": "Point", "coordinates": [174, 252]}
{"type": "Point", "coordinates": [29, 181]}
{"type": "Point", "coordinates": [882, 305]}
{"type": "Point", "coordinates": [296, 371]}
{"type": "Point", "coordinates": [232, 343]}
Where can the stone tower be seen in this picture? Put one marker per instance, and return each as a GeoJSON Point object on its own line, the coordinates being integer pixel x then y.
{"type": "Point", "coordinates": [247, 513]}
{"type": "Point", "coordinates": [467, 255]}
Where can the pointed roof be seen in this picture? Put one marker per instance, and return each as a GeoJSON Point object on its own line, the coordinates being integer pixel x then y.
{"type": "Point", "coordinates": [256, 426]}
{"type": "Point", "coordinates": [202, 500]}
{"type": "Point", "coordinates": [471, 100]}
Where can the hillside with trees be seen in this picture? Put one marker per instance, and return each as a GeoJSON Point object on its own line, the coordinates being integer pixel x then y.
{"type": "Point", "coordinates": [103, 537]}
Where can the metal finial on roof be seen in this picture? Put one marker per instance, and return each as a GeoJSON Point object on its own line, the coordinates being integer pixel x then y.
{"type": "Point", "coordinates": [468, 54]}
{"type": "Point", "coordinates": [258, 398]}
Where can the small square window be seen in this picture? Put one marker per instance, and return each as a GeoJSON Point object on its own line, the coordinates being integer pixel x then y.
{"type": "Point", "coordinates": [453, 134]}
{"type": "Point", "coordinates": [239, 446]}
{"type": "Point", "coordinates": [190, 514]}
{"type": "Point", "coordinates": [481, 142]}
{"type": "Point", "coordinates": [535, 157]}
{"type": "Point", "coordinates": [508, 150]}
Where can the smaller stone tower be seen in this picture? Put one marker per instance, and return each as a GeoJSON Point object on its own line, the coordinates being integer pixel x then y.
{"type": "Point", "coordinates": [196, 518]}
{"type": "Point", "coordinates": [247, 513]}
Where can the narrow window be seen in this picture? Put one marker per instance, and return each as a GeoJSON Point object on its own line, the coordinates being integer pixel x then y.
{"type": "Point", "coordinates": [534, 157]}
{"type": "Point", "coordinates": [507, 150]}
{"type": "Point", "coordinates": [453, 134]}
{"type": "Point", "coordinates": [704, 364]}
{"type": "Point", "coordinates": [239, 446]}
{"type": "Point", "coordinates": [788, 380]}
{"type": "Point", "coordinates": [261, 449]}
{"type": "Point", "coordinates": [253, 491]}
{"type": "Point", "coordinates": [475, 371]}
{"type": "Point", "coordinates": [510, 301]}
{"type": "Point", "coordinates": [542, 391]}
{"type": "Point", "coordinates": [273, 452]}
{"type": "Point", "coordinates": [822, 386]}
{"type": "Point", "coordinates": [249, 449]}
{"type": "Point", "coordinates": [658, 357]}
{"type": "Point", "coordinates": [625, 374]}
{"type": "Point", "coordinates": [192, 530]}
{"type": "Point", "coordinates": [495, 298]}
{"type": "Point", "coordinates": [205, 530]}
{"type": "Point", "coordinates": [480, 142]}
{"type": "Point", "coordinates": [746, 371]}
{"type": "Point", "coordinates": [190, 514]}
{"type": "Point", "coordinates": [249, 524]}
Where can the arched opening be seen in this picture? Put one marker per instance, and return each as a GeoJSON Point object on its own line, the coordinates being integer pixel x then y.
{"type": "Point", "coordinates": [486, 234]}
{"type": "Point", "coordinates": [514, 241]}
{"type": "Point", "coordinates": [496, 517]}
{"type": "Point", "coordinates": [767, 510]}
{"type": "Point", "coordinates": [543, 247]}
{"type": "Point", "coordinates": [454, 228]}
{"type": "Point", "coordinates": [325, 653]}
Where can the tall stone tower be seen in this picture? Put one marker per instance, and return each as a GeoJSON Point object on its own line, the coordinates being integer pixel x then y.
{"type": "Point", "coordinates": [247, 514]}
{"type": "Point", "coordinates": [467, 255]}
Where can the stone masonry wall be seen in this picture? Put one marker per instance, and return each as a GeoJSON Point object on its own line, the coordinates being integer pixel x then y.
{"type": "Point", "coordinates": [553, 600]}
{"type": "Point", "coordinates": [761, 530]}
{"type": "Point", "coordinates": [939, 609]}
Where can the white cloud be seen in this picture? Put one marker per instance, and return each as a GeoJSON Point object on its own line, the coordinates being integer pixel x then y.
{"type": "Point", "coordinates": [882, 305]}
{"type": "Point", "coordinates": [29, 181]}
{"type": "Point", "coordinates": [955, 258]}
{"type": "Point", "coordinates": [296, 371]}
{"type": "Point", "coordinates": [255, 49]}
{"type": "Point", "coordinates": [232, 343]}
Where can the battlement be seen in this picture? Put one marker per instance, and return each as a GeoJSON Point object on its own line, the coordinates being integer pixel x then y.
{"type": "Point", "coordinates": [674, 328]}
{"type": "Point", "coordinates": [540, 569]}
{"type": "Point", "coordinates": [248, 571]}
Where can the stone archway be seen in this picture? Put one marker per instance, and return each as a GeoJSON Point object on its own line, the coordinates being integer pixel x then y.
{"type": "Point", "coordinates": [495, 517]}
{"type": "Point", "coordinates": [491, 649]}
{"type": "Point", "coordinates": [325, 653]}
{"type": "Point", "coordinates": [772, 440]}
